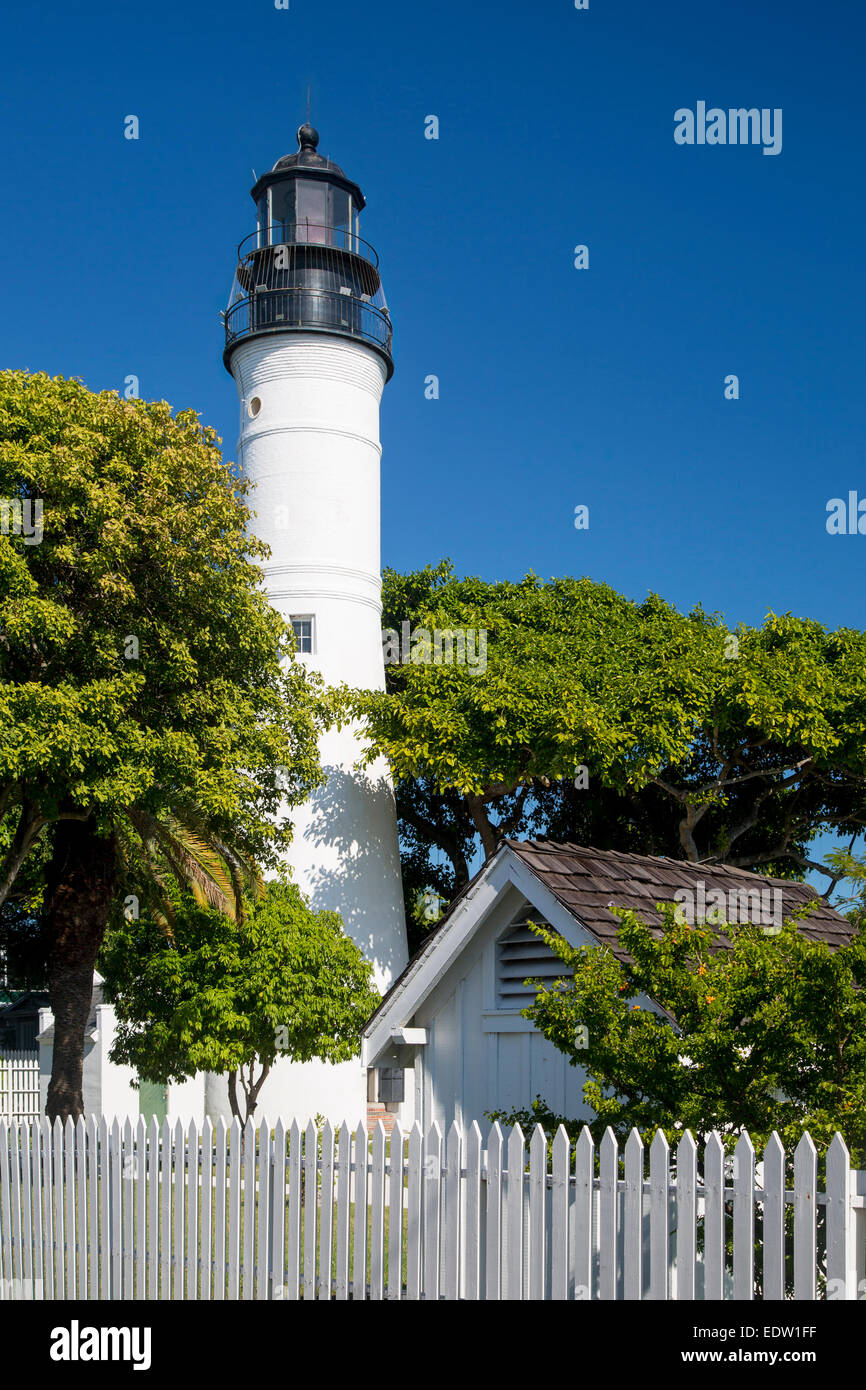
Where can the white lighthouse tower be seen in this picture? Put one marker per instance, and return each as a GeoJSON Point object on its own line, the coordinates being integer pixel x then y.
{"type": "Point", "coordinates": [308, 342]}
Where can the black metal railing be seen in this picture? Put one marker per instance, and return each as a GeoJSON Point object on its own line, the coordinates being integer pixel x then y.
{"type": "Point", "coordinates": [307, 233]}
{"type": "Point", "coordinates": [274, 311]}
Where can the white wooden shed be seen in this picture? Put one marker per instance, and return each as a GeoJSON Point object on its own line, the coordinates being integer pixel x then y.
{"type": "Point", "coordinates": [452, 1020]}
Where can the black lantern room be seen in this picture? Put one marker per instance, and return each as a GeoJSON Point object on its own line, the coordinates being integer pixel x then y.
{"type": "Point", "coordinates": [306, 267]}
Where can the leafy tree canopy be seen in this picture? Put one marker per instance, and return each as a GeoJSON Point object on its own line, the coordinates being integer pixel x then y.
{"type": "Point", "coordinates": [697, 742]}
{"type": "Point", "coordinates": [140, 663]}
{"type": "Point", "coordinates": [226, 997]}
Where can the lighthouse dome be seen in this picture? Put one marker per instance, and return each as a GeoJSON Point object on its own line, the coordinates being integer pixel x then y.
{"type": "Point", "coordinates": [307, 156]}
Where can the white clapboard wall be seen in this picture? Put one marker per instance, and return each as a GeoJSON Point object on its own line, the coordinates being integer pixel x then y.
{"type": "Point", "coordinates": [99, 1210]}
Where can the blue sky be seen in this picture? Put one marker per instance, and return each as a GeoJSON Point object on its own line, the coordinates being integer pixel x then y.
{"type": "Point", "coordinates": [557, 386]}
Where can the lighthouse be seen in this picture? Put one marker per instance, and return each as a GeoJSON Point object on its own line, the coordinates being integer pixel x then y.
{"type": "Point", "coordinates": [308, 342]}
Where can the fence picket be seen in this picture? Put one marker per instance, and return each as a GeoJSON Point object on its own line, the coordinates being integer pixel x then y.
{"type": "Point", "coordinates": [72, 1229]}
{"type": "Point", "coordinates": [293, 1273]}
{"type": "Point", "coordinates": [263, 1224]}
{"type": "Point", "coordinates": [92, 1142]}
{"type": "Point", "coordinates": [326, 1216]}
{"type": "Point", "coordinates": [472, 1256]}
{"type": "Point", "coordinates": [17, 1237]}
{"type": "Point", "coordinates": [206, 1228]}
{"type": "Point", "coordinates": [607, 1222]}
{"type": "Point", "coordinates": [395, 1214]}
{"type": "Point", "coordinates": [193, 1189]}
{"type": "Point", "coordinates": [805, 1217]}
{"type": "Point", "coordinates": [773, 1266]}
{"type": "Point", "coordinates": [537, 1213]}
{"type": "Point", "coordinates": [415, 1184]}
{"type": "Point", "coordinates": [359, 1227]}
{"type": "Point", "coordinates": [633, 1218]}
{"type": "Point", "coordinates": [377, 1214]}
{"type": "Point", "coordinates": [559, 1223]}
{"type": "Point", "coordinates": [687, 1215]}
{"type": "Point", "coordinates": [248, 1219]}
{"type": "Point", "coordinates": [311, 1159]}
{"type": "Point", "coordinates": [127, 1238]}
{"type": "Point", "coordinates": [451, 1232]}
{"type": "Point", "coordinates": [37, 1189]}
{"type": "Point", "coordinates": [25, 1128]}
{"type": "Point", "coordinates": [69, 1221]}
{"type": "Point", "coordinates": [515, 1216]}
{"type": "Point", "coordinates": [584, 1174]}
{"type": "Point", "coordinates": [165, 1149]}
{"type": "Point", "coordinates": [838, 1218]}
{"type": "Point", "coordinates": [744, 1218]}
{"type": "Point", "coordinates": [59, 1192]}
{"type": "Point", "coordinates": [179, 1195]}
{"type": "Point", "coordinates": [493, 1271]}
{"type": "Point", "coordinates": [278, 1214]}
{"type": "Point", "coordinates": [432, 1210]}
{"type": "Point", "coordinates": [140, 1259]}
{"type": "Point", "coordinates": [6, 1271]}
{"type": "Point", "coordinates": [48, 1200]}
{"type": "Point", "coordinates": [660, 1221]}
{"type": "Point", "coordinates": [234, 1212]}
{"type": "Point", "coordinates": [714, 1218]}
{"type": "Point", "coordinates": [220, 1193]}
{"type": "Point", "coordinates": [344, 1198]}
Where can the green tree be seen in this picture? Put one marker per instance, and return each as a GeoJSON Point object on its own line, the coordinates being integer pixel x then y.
{"type": "Point", "coordinates": [232, 997]}
{"type": "Point", "coordinates": [768, 1033]}
{"type": "Point", "coordinates": [698, 743]}
{"type": "Point", "coordinates": [142, 671]}
{"type": "Point", "coordinates": [850, 867]}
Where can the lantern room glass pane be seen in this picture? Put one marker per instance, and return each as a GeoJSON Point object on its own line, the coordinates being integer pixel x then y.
{"type": "Point", "coordinates": [282, 213]}
{"type": "Point", "coordinates": [340, 218]}
{"type": "Point", "coordinates": [262, 219]}
{"type": "Point", "coordinates": [312, 211]}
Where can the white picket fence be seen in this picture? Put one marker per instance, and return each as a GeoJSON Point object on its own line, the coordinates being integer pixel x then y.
{"type": "Point", "coordinates": [19, 1086]}
{"type": "Point", "coordinates": [98, 1211]}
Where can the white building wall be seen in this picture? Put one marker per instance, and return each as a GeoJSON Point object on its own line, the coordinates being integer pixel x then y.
{"type": "Point", "coordinates": [479, 1057]}
{"type": "Point", "coordinates": [185, 1099]}
{"type": "Point", "coordinates": [309, 443]}
{"type": "Point", "coordinates": [298, 1091]}
{"type": "Point", "coordinates": [117, 1094]}
{"type": "Point", "coordinates": [312, 453]}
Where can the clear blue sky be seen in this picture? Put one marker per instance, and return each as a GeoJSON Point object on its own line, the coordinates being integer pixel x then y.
{"type": "Point", "coordinates": [558, 386]}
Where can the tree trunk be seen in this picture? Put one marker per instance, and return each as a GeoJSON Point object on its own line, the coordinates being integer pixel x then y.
{"type": "Point", "coordinates": [80, 889]}
{"type": "Point", "coordinates": [233, 1097]}
{"type": "Point", "coordinates": [250, 1091]}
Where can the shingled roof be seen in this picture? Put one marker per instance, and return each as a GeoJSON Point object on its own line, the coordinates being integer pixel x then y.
{"type": "Point", "coordinates": [587, 881]}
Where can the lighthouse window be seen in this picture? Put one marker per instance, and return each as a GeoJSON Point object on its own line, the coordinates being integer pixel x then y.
{"type": "Point", "coordinates": [341, 217]}
{"type": "Point", "coordinates": [312, 210]}
{"type": "Point", "coordinates": [262, 219]}
{"type": "Point", "coordinates": [303, 630]}
{"type": "Point", "coordinates": [255, 406]}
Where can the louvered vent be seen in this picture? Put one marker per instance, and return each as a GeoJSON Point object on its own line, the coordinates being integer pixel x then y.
{"type": "Point", "coordinates": [522, 955]}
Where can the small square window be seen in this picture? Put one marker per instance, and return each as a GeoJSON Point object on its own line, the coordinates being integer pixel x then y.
{"type": "Point", "coordinates": [391, 1084]}
{"type": "Point", "coordinates": [303, 630]}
